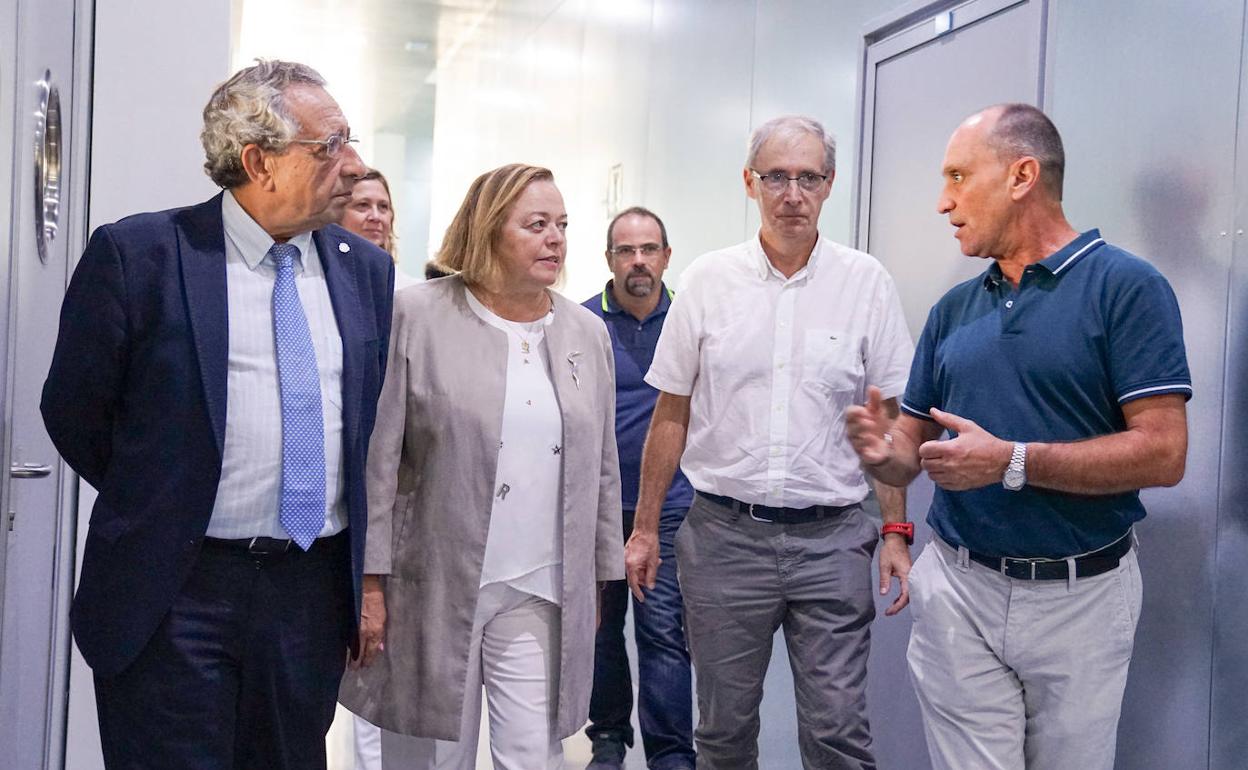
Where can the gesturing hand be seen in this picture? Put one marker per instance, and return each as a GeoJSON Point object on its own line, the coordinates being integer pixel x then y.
{"type": "Point", "coordinates": [974, 458]}
{"type": "Point", "coordinates": [866, 426]}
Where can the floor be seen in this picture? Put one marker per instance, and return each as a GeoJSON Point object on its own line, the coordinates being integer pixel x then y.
{"type": "Point", "coordinates": [576, 749]}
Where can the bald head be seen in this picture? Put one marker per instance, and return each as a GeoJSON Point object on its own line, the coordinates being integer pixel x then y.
{"type": "Point", "coordinates": [1015, 131]}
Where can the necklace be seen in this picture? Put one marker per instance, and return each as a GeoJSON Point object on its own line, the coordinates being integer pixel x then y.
{"type": "Point", "coordinates": [491, 303]}
{"type": "Point", "coordinates": [527, 340]}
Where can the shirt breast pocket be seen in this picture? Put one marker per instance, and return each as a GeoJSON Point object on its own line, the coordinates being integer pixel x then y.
{"type": "Point", "coordinates": [831, 361]}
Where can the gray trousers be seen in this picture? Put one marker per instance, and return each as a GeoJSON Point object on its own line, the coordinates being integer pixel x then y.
{"type": "Point", "coordinates": [741, 580]}
{"type": "Point", "coordinates": [1015, 674]}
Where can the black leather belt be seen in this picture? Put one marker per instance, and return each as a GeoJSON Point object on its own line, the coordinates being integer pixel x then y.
{"type": "Point", "coordinates": [268, 549]}
{"type": "Point", "coordinates": [778, 515]}
{"type": "Point", "coordinates": [1087, 565]}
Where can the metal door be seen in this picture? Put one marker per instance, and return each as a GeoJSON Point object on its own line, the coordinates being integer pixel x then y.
{"type": "Point", "coordinates": [923, 73]}
{"type": "Point", "coordinates": [43, 214]}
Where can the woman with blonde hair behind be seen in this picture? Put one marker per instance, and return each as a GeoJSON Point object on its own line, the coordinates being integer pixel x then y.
{"type": "Point", "coordinates": [498, 413]}
{"type": "Point", "coordinates": [370, 215]}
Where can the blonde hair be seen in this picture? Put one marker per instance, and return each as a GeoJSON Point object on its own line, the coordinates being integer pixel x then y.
{"type": "Point", "coordinates": [392, 238]}
{"type": "Point", "coordinates": [470, 244]}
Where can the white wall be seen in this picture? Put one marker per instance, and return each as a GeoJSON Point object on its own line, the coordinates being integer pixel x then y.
{"type": "Point", "coordinates": [150, 86]}
{"type": "Point", "coordinates": [670, 89]}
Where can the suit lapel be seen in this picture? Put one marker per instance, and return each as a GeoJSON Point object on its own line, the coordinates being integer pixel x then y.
{"type": "Point", "coordinates": [344, 296]}
{"type": "Point", "coordinates": [201, 251]}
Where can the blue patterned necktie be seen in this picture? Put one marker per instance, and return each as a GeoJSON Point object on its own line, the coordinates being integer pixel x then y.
{"type": "Point", "coordinates": [301, 505]}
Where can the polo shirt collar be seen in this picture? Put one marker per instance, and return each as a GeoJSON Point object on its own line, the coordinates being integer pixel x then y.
{"type": "Point", "coordinates": [763, 266]}
{"type": "Point", "coordinates": [1057, 262]}
{"type": "Point", "coordinates": [251, 240]}
{"type": "Point", "coordinates": [1072, 252]}
{"type": "Point", "coordinates": [609, 305]}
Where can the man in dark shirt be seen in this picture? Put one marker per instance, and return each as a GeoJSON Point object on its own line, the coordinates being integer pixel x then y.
{"type": "Point", "coordinates": [634, 305]}
{"type": "Point", "coordinates": [1061, 376]}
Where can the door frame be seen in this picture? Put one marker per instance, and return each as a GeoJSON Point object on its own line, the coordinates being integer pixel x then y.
{"type": "Point", "coordinates": [897, 32]}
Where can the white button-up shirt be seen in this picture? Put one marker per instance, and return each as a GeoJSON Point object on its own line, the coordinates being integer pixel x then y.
{"type": "Point", "coordinates": [251, 463]}
{"type": "Point", "coordinates": [771, 363]}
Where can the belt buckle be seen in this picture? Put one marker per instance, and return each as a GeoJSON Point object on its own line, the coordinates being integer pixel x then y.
{"type": "Point", "coordinates": [251, 547]}
{"type": "Point", "coordinates": [750, 510]}
{"type": "Point", "coordinates": [1006, 564]}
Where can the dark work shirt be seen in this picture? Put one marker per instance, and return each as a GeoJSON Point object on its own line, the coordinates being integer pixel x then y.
{"type": "Point", "coordinates": [1090, 328]}
{"type": "Point", "coordinates": [634, 342]}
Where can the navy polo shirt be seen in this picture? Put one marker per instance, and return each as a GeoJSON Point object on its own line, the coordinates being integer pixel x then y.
{"type": "Point", "coordinates": [633, 342]}
{"type": "Point", "coordinates": [1089, 328]}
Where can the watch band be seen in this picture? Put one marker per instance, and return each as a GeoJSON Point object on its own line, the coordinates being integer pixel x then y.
{"type": "Point", "coordinates": [905, 528]}
{"type": "Point", "coordinates": [1016, 472]}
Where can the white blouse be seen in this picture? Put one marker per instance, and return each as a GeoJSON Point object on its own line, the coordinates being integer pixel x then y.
{"type": "Point", "coordinates": [524, 546]}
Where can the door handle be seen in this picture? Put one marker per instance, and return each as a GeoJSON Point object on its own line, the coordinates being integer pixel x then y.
{"type": "Point", "coordinates": [29, 471]}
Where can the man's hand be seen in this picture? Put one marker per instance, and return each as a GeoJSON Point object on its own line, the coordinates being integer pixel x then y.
{"type": "Point", "coordinates": [867, 427]}
{"type": "Point", "coordinates": [641, 562]}
{"type": "Point", "coordinates": [372, 623]}
{"type": "Point", "coordinates": [895, 562]}
{"type": "Point", "coordinates": [976, 458]}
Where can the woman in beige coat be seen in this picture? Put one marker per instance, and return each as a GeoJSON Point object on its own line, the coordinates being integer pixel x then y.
{"type": "Point", "coordinates": [498, 414]}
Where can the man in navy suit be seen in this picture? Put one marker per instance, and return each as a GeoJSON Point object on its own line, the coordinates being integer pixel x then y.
{"type": "Point", "coordinates": [215, 378]}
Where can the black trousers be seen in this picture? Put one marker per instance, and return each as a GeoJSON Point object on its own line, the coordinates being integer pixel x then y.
{"type": "Point", "coordinates": [243, 673]}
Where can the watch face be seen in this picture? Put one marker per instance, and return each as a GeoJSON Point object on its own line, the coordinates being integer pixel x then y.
{"type": "Point", "coordinates": [1014, 479]}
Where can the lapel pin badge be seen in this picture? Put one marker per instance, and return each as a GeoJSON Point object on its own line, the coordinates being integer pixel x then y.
{"type": "Point", "coordinates": [576, 376]}
{"type": "Point", "coordinates": [344, 248]}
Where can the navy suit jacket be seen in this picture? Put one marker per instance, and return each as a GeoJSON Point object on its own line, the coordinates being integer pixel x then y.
{"type": "Point", "coordinates": [135, 402]}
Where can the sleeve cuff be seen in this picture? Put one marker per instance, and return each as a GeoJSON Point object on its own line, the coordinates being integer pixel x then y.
{"type": "Point", "coordinates": [910, 410]}
{"type": "Point", "coordinates": [659, 382]}
{"type": "Point", "coordinates": [1132, 394]}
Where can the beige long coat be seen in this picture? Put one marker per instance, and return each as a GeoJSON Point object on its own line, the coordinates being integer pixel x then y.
{"type": "Point", "coordinates": [439, 420]}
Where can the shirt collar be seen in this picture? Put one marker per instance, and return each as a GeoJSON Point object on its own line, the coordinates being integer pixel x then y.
{"type": "Point", "coordinates": [1058, 261]}
{"type": "Point", "coordinates": [609, 305]}
{"type": "Point", "coordinates": [763, 267]}
{"type": "Point", "coordinates": [253, 243]}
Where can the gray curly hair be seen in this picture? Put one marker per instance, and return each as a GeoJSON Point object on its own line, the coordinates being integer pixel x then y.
{"type": "Point", "coordinates": [250, 108]}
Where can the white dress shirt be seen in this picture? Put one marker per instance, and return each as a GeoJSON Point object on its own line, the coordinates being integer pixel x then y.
{"type": "Point", "coordinates": [524, 545]}
{"type": "Point", "coordinates": [251, 465]}
{"type": "Point", "coordinates": [771, 365]}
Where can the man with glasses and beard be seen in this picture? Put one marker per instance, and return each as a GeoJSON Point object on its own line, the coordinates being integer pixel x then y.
{"type": "Point", "coordinates": [634, 306]}
{"type": "Point", "coordinates": [767, 344]}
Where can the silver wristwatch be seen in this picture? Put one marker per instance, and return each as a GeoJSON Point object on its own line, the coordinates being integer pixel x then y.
{"type": "Point", "coordinates": [1016, 473]}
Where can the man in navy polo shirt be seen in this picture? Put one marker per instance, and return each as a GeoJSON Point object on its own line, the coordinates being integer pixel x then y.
{"type": "Point", "coordinates": [634, 305]}
{"type": "Point", "coordinates": [1061, 376]}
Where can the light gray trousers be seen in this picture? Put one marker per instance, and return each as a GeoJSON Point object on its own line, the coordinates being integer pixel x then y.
{"type": "Point", "coordinates": [1015, 674]}
{"type": "Point", "coordinates": [742, 580]}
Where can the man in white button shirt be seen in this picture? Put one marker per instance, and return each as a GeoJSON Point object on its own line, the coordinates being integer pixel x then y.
{"type": "Point", "coordinates": [767, 344]}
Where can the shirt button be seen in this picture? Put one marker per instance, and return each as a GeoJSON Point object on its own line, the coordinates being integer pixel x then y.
{"type": "Point", "coordinates": [1009, 303]}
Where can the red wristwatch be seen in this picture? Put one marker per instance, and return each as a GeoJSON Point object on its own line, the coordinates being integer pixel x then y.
{"type": "Point", "coordinates": [900, 527]}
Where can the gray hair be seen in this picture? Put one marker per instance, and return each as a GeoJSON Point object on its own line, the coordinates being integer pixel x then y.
{"type": "Point", "coordinates": [250, 108]}
{"type": "Point", "coordinates": [1022, 130]}
{"type": "Point", "coordinates": [788, 125]}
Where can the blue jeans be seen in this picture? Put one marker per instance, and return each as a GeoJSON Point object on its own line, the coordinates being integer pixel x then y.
{"type": "Point", "coordinates": [665, 699]}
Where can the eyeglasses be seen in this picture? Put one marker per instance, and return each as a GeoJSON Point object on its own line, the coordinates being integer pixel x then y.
{"type": "Point", "coordinates": [778, 181]}
{"type": "Point", "coordinates": [333, 145]}
{"type": "Point", "coordinates": [646, 249]}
